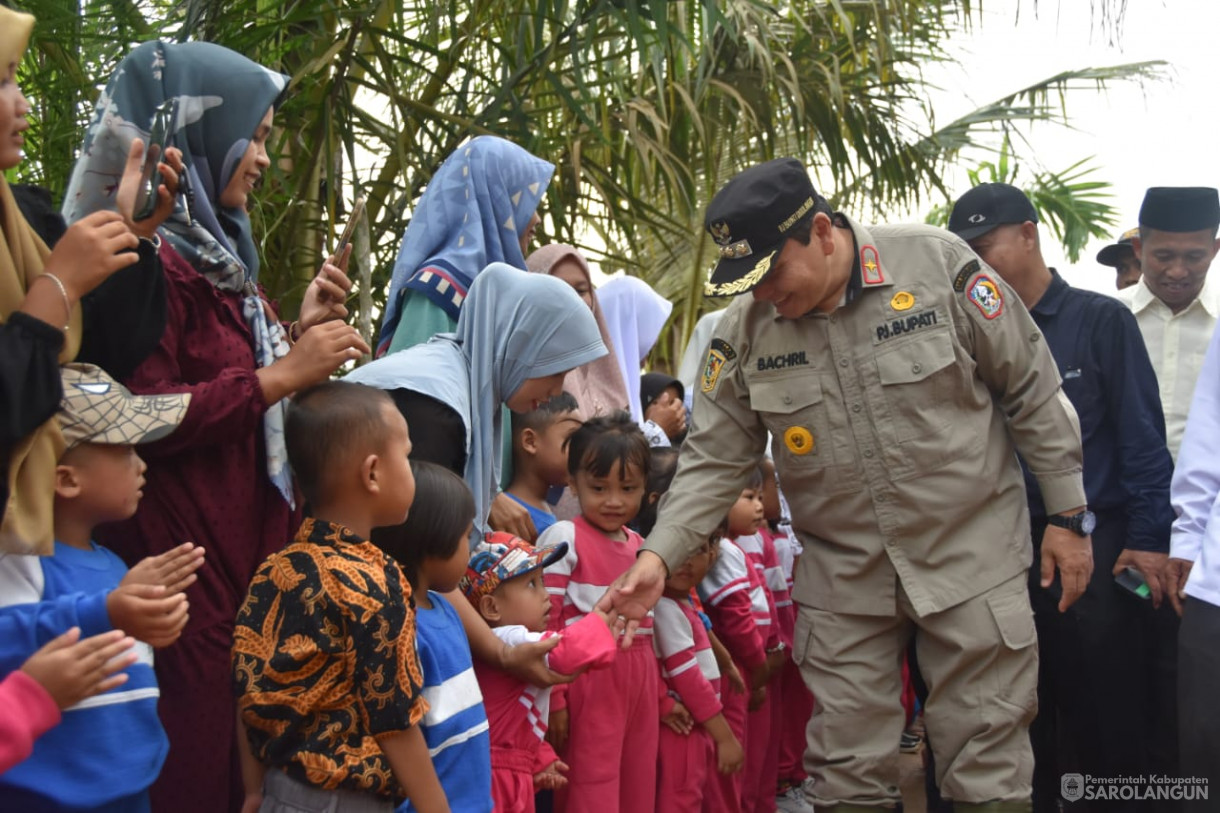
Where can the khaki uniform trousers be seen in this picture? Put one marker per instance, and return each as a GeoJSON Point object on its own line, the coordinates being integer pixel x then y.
{"type": "Point", "coordinates": [980, 661]}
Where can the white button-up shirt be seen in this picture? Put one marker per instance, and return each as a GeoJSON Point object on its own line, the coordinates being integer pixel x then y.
{"type": "Point", "coordinates": [1176, 344]}
{"type": "Point", "coordinates": [1196, 485]}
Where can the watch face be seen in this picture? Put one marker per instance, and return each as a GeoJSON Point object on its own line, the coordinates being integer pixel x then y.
{"type": "Point", "coordinates": [1088, 521]}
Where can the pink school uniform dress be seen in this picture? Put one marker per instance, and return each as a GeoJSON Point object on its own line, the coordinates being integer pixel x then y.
{"type": "Point", "coordinates": [612, 740]}
{"type": "Point", "coordinates": [688, 667]}
{"type": "Point", "coordinates": [726, 595]}
{"type": "Point", "coordinates": [518, 712]}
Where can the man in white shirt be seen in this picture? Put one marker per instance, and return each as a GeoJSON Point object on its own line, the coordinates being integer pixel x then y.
{"type": "Point", "coordinates": [1192, 576]}
{"type": "Point", "coordinates": [1173, 303]}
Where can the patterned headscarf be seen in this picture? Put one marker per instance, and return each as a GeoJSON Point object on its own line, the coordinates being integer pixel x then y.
{"type": "Point", "coordinates": [513, 327]}
{"type": "Point", "coordinates": [222, 98]}
{"type": "Point", "coordinates": [597, 387]}
{"type": "Point", "coordinates": [635, 314]}
{"type": "Point", "coordinates": [472, 214]}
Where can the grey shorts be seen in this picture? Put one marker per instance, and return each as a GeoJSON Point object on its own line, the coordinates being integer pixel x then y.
{"type": "Point", "coordinates": [283, 794]}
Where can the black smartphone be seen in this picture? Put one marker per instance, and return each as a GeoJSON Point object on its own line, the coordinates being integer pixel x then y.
{"type": "Point", "coordinates": [159, 134]}
{"type": "Point", "coordinates": [1133, 582]}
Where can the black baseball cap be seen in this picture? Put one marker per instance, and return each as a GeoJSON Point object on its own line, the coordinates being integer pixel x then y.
{"type": "Point", "coordinates": [989, 205]}
{"type": "Point", "coordinates": [1180, 208]}
{"type": "Point", "coordinates": [750, 219]}
{"type": "Point", "coordinates": [1114, 253]}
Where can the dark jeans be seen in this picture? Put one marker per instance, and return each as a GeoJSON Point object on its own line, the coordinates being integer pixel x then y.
{"type": "Point", "coordinates": [1105, 679]}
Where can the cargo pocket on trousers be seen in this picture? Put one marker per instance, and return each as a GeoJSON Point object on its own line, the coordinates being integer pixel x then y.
{"type": "Point", "coordinates": [1016, 664]}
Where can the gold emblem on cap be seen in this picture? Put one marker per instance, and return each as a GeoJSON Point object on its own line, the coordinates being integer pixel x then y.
{"type": "Point", "coordinates": [743, 283]}
{"type": "Point", "coordinates": [799, 440]}
{"type": "Point", "coordinates": [903, 300]}
{"type": "Point", "coordinates": [797, 215]}
{"type": "Point", "coordinates": [736, 250]}
{"type": "Point", "coordinates": [721, 233]}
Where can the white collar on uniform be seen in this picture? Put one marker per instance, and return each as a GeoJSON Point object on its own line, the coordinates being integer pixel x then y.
{"type": "Point", "coordinates": [1208, 299]}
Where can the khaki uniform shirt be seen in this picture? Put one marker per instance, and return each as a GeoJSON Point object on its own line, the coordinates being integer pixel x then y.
{"type": "Point", "coordinates": [894, 420]}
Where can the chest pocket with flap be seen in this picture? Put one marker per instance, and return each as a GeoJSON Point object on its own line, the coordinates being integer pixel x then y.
{"type": "Point", "coordinates": [917, 380]}
{"type": "Point", "coordinates": [792, 404]}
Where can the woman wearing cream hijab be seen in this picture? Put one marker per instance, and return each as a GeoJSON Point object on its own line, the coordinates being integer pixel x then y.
{"type": "Point", "coordinates": [40, 315]}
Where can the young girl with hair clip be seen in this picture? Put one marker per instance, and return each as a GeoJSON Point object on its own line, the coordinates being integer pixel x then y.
{"type": "Point", "coordinates": [611, 742]}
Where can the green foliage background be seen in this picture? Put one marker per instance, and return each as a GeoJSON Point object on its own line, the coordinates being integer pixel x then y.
{"type": "Point", "coordinates": [645, 106]}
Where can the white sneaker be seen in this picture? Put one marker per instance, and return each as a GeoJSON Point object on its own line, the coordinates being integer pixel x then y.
{"type": "Point", "coordinates": [792, 801]}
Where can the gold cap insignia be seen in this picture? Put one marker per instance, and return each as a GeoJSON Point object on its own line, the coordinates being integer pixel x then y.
{"type": "Point", "coordinates": [721, 233]}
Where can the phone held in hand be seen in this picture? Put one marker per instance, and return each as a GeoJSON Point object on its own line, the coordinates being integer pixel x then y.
{"type": "Point", "coordinates": [1133, 582]}
{"type": "Point", "coordinates": [160, 132]}
{"type": "Point", "coordinates": [350, 229]}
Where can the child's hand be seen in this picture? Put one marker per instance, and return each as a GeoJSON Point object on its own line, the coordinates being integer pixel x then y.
{"type": "Point", "coordinates": [528, 662]}
{"type": "Point", "coordinates": [735, 682]}
{"type": "Point", "coordinates": [757, 698]}
{"type": "Point", "coordinates": [552, 778]}
{"type": "Point", "coordinates": [146, 613]}
{"type": "Point", "coordinates": [71, 669]}
{"type": "Point", "coordinates": [679, 720]}
{"type": "Point", "coordinates": [557, 730]}
{"type": "Point", "coordinates": [506, 514]}
{"type": "Point", "coordinates": [730, 756]}
{"type": "Point", "coordinates": [775, 662]}
{"type": "Point", "coordinates": [174, 570]}
{"type": "Point", "coordinates": [759, 676]}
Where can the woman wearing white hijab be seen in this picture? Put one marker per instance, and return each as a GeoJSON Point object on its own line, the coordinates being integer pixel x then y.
{"type": "Point", "coordinates": [635, 315]}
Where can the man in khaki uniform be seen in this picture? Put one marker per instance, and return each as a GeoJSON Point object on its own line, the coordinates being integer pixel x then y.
{"type": "Point", "coordinates": [897, 375]}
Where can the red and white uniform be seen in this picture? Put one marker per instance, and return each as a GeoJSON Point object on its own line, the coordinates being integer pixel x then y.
{"type": "Point", "coordinates": [612, 739]}
{"type": "Point", "coordinates": [517, 712]}
{"type": "Point", "coordinates": [762, 750]}
{"type": "Point", "coordinates": [726, 596]}
{"type": "Point", "coordinates": [796, 702]}
{"type": "Point", "coordinates": [688, 667]}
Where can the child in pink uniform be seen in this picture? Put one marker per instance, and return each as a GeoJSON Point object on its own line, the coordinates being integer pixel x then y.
{"type": "Point", "coordinates": [504, 582]}
{"type": "Point", "coordinates": [611, 742]}
{"type": "Point", "coordinates": [688, 666]}
{"type": "Point", "coordinates": [790, 698]}
{"type": "Point", "coordinates": [745, 521]}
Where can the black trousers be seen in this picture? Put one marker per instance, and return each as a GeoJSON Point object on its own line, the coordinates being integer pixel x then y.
{"type": "Point", "coordinates": [1105, 678]}
{"type": "Point", "coordinates": [1199, 697]}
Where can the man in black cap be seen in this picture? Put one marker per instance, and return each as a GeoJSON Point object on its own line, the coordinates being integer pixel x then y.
{"type": "Point", "coordinates": [1175, 306]}
{"type": "Point", "coordinates": [897, 375]}
{"type": "Point", "coordinates": [1096, 659]}
{"type": "Point", "coordinates": [1121, 257]}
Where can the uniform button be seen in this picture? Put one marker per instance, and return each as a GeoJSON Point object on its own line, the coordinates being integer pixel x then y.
{"type": "Point", "coordinates": [834, 318]}
{"type": "Point", "coordinates": [915, 368]}
{"type": "Point", "coordinates": [868, 452]}
{"type": "Point", "coordinates": [880, 498]}
{"type": "Point", "coordinates": [855, 407]}
{"type": "Point", "coordinates": [1034, 337]}
{"type": "Point", "coordinates": [842, 362]}
{"type": "Point", "coordinates": [787, 399]}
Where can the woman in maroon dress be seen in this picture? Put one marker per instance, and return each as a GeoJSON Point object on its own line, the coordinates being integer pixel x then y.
{"type": "Point", "coordinates": [221, 480]}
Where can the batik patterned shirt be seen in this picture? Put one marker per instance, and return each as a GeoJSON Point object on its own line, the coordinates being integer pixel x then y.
{"type": "Point", "coordinates": [324, 660]}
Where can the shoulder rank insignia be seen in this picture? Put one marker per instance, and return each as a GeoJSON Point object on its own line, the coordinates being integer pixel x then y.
{"type": "Point", "coordinates": [870, 265]}
{"type": "Point", "coordinates": [902, 301]}
{"type": "Point", "coordinates": [968, 270]}
{"type": "Point", "coordinates": [986, 296]}
{"type": "Point", "coordinates": [717, 356]}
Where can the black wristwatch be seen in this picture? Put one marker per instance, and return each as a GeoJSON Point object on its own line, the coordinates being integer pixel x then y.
{"type": "Point", "coordinates": [1081, 523]}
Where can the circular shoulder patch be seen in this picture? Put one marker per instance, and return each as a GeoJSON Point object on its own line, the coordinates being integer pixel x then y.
{"type": "Point", "coordinates": [799, 440]}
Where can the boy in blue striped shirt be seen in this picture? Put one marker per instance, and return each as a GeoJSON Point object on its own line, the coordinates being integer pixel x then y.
{"type": "Point", "coordinates": [432, 548]}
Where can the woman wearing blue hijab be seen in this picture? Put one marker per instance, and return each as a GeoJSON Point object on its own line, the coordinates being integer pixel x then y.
{"type": "Point", "coordinates": [517, 336]}
{"type": "Point", "coordinates": [479, 208]}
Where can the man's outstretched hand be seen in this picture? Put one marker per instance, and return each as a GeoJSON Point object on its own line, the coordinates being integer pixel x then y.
{"type": "Point", "coordinates": [628, 600]}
